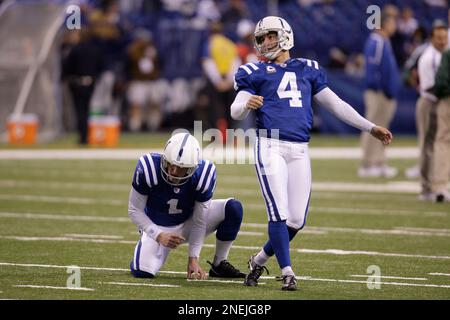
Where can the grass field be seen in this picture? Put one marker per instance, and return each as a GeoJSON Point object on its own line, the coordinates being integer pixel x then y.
{"type": "Point", "coordinates": [60, 213]}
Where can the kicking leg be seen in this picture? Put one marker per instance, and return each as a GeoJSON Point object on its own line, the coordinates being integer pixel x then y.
{"type": "Point", "coordinates": [267, 251]}
{"type": "Point", "coordinates": [272, 171]}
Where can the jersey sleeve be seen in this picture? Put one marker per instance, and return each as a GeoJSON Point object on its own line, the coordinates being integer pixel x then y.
{"type": "Point", "coordinates": [243, 80]}
{"type": "Point", "coordinates": [320, 81]}
{"type": "Point", "coordinates": [144, 175]}
{"type": "Point", "coordinates": [206, 184]}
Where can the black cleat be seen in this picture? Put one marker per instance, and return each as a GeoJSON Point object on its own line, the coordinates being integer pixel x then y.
{"type": "Point", "coordinates": [224, 270]}
{"type": "Point", "coordinates": [289, 283]}
{"type": "Point", "coordinates": [256, 270]}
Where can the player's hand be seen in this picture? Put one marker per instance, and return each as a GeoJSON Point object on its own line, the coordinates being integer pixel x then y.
{"type": "Point", "coordinates": [195, 271]}
{"type": "Point", "coordinates": [255, 102]}
{"type": "Point", "coordinates": [170, 239]}
{"type": "Point", "coordinates": [382, 134]}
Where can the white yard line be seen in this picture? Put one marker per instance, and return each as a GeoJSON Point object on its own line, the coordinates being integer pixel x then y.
{"type": "Point", "coordinates": [403, 187]}
{"type": "Point", "coordinates": [46, 216]}
{"type": "Point", "coordinates": [251, 233]}
{"type": "Point", "coordinates": [162, 285]}
{"type": "Point", "coordinates": [307, 230]}
{"type": "Point", "coordinates": [34, 265]}
{"type": "Point", "coordinates": [439, 274]}
{"type": "Point", "coordinates": [67, 200]}
{"type": "Point", "coordinates": [64, 185]}
{"type": "Point", "coordinates": [367, 253]}
{"type": "Point", "coordinates": [387, 277]}
{"type": "Point", "coordinates": [381, 231]}
{"type": "Point", "coordinates": [305, 278]}
{"type": "Point", "coordinates": [51, 287]}
{"type": "Point", "coordinates": [70, 174]}
{"type": "Point", "coordinates": [23, 238]}
{"type": "Point", "coordinates": [221, 281]}
{"type": "Point", "coordinates": [133, 154]}
{"type": "Point", "coordinates": [94, 236]}
{"type": "Point", "coordinates": [381, 282]}
{"type": "Point", "coordinates": [307, 251]}
{"type": "Point", "coordinates": [395, 231]}
{"type": "Point", "coordinates": [438, 230]}
{"type": "Point", "coordinates": [260, 206]}
{"type": "Point", "coordinates": [428, 232]}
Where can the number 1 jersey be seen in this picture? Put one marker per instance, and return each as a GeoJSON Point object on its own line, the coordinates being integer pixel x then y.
{"type": "Point", "coordinates": [169, 205]}
{"type": "Point", "coordinates": [288, 90]}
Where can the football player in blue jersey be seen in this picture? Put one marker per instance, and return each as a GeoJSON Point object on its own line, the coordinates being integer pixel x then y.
{"type": "Point", "coordinates": [171, 203]}
{"type": "Point", "coordinates": [281, 92]}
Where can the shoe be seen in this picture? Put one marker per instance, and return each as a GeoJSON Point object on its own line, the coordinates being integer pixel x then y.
{"type": "Point", "coordinates": [388, 172]}
{"type": "Point", "coordinates": [442, 197]}
{"type": "Point", "coordinates": [370, 172]}
{"type": "Point", "coordinates": [251, 279]}
{"type": "Point", "coordinates": [224, 270]}
{"type": "Point", "coordinates": [289, 283]}
{"type": "Point", "coordinates": [412, 172]}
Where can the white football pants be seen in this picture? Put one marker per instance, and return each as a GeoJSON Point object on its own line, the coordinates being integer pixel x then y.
{"type": "Point", "coordinates": [150, 256]}
{"type": "Point", "coordinates": [284, 174]}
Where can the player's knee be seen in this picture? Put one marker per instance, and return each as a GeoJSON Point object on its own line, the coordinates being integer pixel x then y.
{"type": "Point", "coordinates": [292, 232]}
{"type": "Point", "coordinates": [140, 273]}
{"type": "Point", "coordinates": [234, 211]}
{"type": "Point", "coordinates": [296, 224]}
{"type": "Point", "coordinates": [229, 228]}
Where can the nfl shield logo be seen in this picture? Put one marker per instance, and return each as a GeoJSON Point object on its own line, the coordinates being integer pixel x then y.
{"type": "Point", "coordinates": [176, 190]}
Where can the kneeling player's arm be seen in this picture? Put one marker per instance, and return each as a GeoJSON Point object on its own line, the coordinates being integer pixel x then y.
{"type": "Point", "coordinates": [239, 108]}
{"type": "Point", "coordinates": [136, 206]}
{"type": "Point", "coordinates": [341, 109]}
{"type": "Point", "coordinates": [198, 231]}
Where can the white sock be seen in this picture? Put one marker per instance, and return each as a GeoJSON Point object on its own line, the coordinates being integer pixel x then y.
{"type": "Point", "coordinates": [261, 258]}
{"type": "Point", "coordinates": [287, 271]}
{"type": "Point", "coordinates": [222, 250]}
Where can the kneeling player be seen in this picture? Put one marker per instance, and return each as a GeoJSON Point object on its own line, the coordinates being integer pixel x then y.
{"type": "Point", "coordinates": [171, 202]}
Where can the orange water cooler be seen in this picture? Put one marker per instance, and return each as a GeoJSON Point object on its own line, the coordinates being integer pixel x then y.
{"type": "Point", "coordinates": [104, 131]}
{"type": "Point", "coordinates": [22, 128]}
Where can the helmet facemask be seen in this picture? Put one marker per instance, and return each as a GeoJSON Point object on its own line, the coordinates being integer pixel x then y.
{"type": "Point", "coordinates": [275, 48]}
{"type": "Point", "coordinates": [171, 179]}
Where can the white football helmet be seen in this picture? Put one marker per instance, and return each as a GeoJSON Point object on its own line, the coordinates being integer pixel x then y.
{"type": "Point", "coordinates": [283, 30]}
{"type": "Point", "coordinates": [182, 150]}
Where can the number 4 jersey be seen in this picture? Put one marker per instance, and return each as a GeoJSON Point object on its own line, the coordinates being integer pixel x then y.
{"type": "Point", "coordinates": [287, 89]}
{"type": "Point", "coordinates": [169, 205]}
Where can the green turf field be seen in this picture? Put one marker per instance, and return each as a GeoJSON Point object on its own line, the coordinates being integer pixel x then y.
{"type": "Point", "coordinates": [55, 214]}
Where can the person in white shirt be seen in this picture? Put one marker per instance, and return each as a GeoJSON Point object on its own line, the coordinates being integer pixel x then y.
{"type": "Point", "coordinates": [426, 120]}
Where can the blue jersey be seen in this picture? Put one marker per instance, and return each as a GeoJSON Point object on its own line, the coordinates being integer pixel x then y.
{"type": "Point", "coordinates": [169, 205]}
{"type": "Point", "coordinates": [288, 90]}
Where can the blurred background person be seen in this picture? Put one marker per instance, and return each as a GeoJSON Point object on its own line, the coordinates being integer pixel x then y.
{"type": "Point", "coordinates": [219, 62]}
{"type": "Point", "coordinates": [247, 53]}
{"type": "Point", "coordinates": [426, 108]}
{"type": "Point", "coordinates": [144, 94]}
{"type": "Point", "coordinates": [245, 45]}
{"type": "Point", "coordinates": [81, 68]}
{"type": "Point", "coordinates": [441, 163]}
{"type": "Point", "coordinates": [406, 26]}
{"type": "Point", "coordinates": [109, 34]}
{"type": "Point", "coordinates": [382, 86]}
